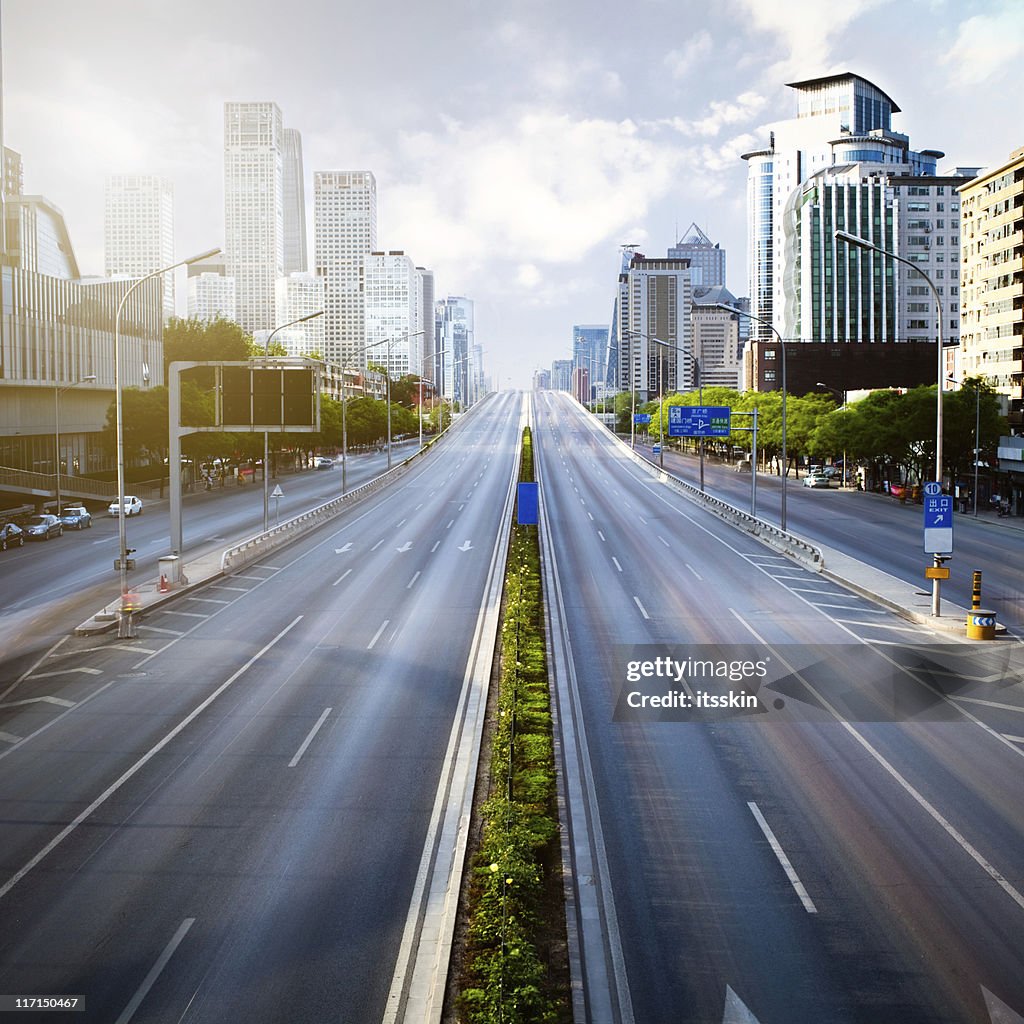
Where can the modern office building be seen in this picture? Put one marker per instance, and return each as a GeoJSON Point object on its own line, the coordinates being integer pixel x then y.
{"type": "Point", "coordinates": [841, 120]}
{"type": "Point", "coordinates": [211, 293]}
{"type": "Point", "coordinates": [13, 173]}
{"type": "Point", "coordinates": [391, 301]}
{"type": "Point", "coordinates": [992, 282]}
{"type": "Point", "coordinates": [138, 229]}
{"type": "Point", "coordinates": [707, 258]}
{"type": "Point", "coordinates": [561, 375]}
{"type": "Point", "coordinates": [589, 352]}
{"type": "Point", "coordinates": [344, 234]}
{"type": "Point", "coordinates": [254, 209]}
{"type": "Point", "coordinates": [426, 322]}
{"type": "Point", "coordinates": [298, 295]}
{"type": "Point", "coordinates": [580, 385]}
{"type": "Point", "coordinates": [456, 335]}
{"type": "Point", "coordinates": [296, 258]}
{"type": "Point", "coordinates": [655, 326]}
{"type": "Point", "coordinates": [717, 345]}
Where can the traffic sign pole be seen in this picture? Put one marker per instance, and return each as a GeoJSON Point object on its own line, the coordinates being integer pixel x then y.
{"type": "Point", "coordinates": [938, 535]}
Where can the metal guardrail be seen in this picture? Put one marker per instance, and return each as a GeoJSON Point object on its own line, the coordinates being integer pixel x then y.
{"type": "Point", "coordinates": [757, 527]}
{"type": "Point", "coordinates": [262, 543]}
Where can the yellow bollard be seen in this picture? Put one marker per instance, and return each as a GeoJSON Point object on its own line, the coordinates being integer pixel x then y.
{"type": "Point", "coordinates": [981, 624]}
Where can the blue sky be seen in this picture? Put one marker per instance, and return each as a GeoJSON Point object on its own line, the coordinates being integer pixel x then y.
{"type": "Point", "coordinates": [515, 146]}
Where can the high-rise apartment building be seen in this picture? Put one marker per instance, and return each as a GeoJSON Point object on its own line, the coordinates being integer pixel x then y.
{"type": "Point", "coordinates": [841, 120]}
{"type": "Point", "coordinates": [992, 282]}
{"type": "Point", "coordinates": [654, 326]}
{"type": "Point", "coordinates": [299, 295]}
{"type": "Point", "coordinates": [391, 299]}
{"type": "Point", "coordinates": [707, 258]}
{"type": "Point", "coordinates": [425, 322]}
{"type": "Point", "coordinates": [138, 228]}
{"type": "Point", "coordinates": [254, 208]}
{"type": "Point", "coordinates": [344, 234]}
{"type": "Point", "coordinates": [211, 294]}
{"type": "Point", "coordinates": [296, 258]}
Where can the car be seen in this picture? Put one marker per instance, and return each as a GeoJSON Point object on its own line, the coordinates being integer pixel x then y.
{"type": "Point", "coordinates": [11, 536]}
{"type": "Point", "coordinates": [816, 480]}
{"type": "Point", "coordinates": [323, 462]}
{"type": "Point", "coordinates": [43, 527]}
{"type": "Point", "coordinates": [76, 517]}
{"type": "Point", "coordinates": [132, 506]}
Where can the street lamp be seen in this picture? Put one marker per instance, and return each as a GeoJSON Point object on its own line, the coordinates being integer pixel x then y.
{"type": "Point", "coordinates": [661, 391]}
{"type": "Point", "coordinates": [124, 626]}
{"type": "Point", "coordinates": [977, 434]}
{"type": "Point", "coordinates": [863, 243]}
{"type": "Point", "coordinates": [387, 376]}
{"type": "Point", "coordinates": [782, 349]}
{"type": "Point", "coordinates": [57, 392]}
{"type": "Point", "coordinates": [266, 434]}
{"type": "Point", "coordinates": [842, 394]}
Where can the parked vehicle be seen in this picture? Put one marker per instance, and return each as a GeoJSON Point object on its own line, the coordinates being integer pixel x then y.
{"type": "Point", "coordinates": [11, 536]}
{"type": "Point", "coordinates": [43, 527]}
{"type": "Point", "coordinates": [76, 517]}
{"type": "Point", "coordinates": [816, 480]}
{"type": "Point", "coordinates": [132, 506]}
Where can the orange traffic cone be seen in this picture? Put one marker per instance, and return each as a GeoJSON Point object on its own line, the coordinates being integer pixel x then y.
{"type": "Point", "coordinates": [163, 584]}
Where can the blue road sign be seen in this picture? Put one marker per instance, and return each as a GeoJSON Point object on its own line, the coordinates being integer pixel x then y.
{"type": "Point", "coordinates": [932, 488]}
{"type": "Point", "coordinates": [938, 523]}
{"type": "Point", "coordinates": [699, 421]}
{"type": "Point", "coordinates": [642, 417]}
{"type": "Point", "coordinates": [526, 505]}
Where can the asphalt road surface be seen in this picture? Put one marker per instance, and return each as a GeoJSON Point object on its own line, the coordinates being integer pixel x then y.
{"type": "Point", "coordinates": [851, 851]}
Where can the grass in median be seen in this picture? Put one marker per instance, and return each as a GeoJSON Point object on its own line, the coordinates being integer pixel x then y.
{"type": "Point", "coordinates": [514, 968]}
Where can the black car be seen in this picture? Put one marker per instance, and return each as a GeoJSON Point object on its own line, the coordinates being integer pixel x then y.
{"type": "Point", "coordinates": [11, 536]}
{"type": "Point", "coordinates": [43, 527]}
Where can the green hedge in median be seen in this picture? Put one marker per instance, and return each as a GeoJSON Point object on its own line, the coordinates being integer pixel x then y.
{"type": "Point", "coordinates": [517, 916]}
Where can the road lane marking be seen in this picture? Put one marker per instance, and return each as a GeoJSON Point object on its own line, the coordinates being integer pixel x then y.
{"type": "Point", "coordinates": [783, 859]}
{"type": "Point", "coordinates": [408, 585]}
{"type": "Point", "coordinates": [341, 577]}
{"type": "Point", "coordinates": [988, 703]}
{"type": "Point", "coordinates": [309, 738]}
{"type": "Point", "coordinates": [663, 541]}
{"type": "Point", "coordinates": [848, 608]}
{"type": "Point", "coordinates": [878, 625]}
{"type": "Point", "coordinates": [601, 535]}
{"type": "Point", "coordinates": [210, 600]}
{"type": "Point", "coordinates": [643, 610]}
{"type": "Point", "coordinates": [642, 520]}
{"type": "Point", "coordinates": [694, 571]}
{"type": "Point", "coordinates": [958, 837]}
{"type": "Point", "coordinates": [401, 524]}
{"type": "Point", "coordinates": [143, 990]}
{"type": "Point", "coordinates": [1012, 739]}
{"type": "Point", "coordinates": [223, 586]}
{"type": "Point", "coordinates": [377, 545]}
{"type": "Point", "coordinates": [131, 647]}
{"type": "Point", "coordinates": [376, 636]}
{"type": "Point", "coordinates": [437, 544]}
{"type": "Point", "coordinates": [462, 506]}
{"type": "Point", "coordinates": [161, 629]}
{"type": "Point", "coordinates": [140, 763]}
{"type": "Point", "coordinates": [66, 672]}
{"type": "Point", "coordinates": [9, 737]}
{"type": "Point", "coordinates": [591, 514]}
{"type": "Point", "coordinates": [450, 522]}
{"type": "Point", "coordinates": [616, 561]}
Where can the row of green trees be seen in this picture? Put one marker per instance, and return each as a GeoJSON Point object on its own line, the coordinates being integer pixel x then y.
{"type": "Point", "coordinates": [890, 429]}
{"type": "Point", "coordinates": [145, 412]}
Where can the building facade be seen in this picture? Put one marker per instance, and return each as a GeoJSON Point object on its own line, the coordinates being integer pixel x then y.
{"type": "Point", "coordinates": [293, 197]}
{"type": "Point", "coordinates": [717, 344]}
{"type": "Point", "coordinates": [456, 335]}
{"type": "Point", "coordinates": [211, 293]}
{"type": "Point", "coordinates": [707, 258]}
{"type": "Point", "coordinates": [254, 209]}
{"type": "Point", "coordinates": [561, 375]}
{"type": "Point", "coordinates": [344, 234]}
{"type": "Point", "coordinates": [298, 295]}
{"type": "Point", "coordinates": [992, 282]}
{"type": "Point", "coordinates": [138, 229]}
{"type": "Point", "coordinates": [589, 352]}
{"type": "Point", "coordinates": [391, 302]}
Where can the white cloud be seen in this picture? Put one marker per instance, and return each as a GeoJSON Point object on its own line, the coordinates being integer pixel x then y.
{"type": "Point", "coordinates": [720, 114]}
{"type": "Point", "coordinates": [681, 62]}
{"type": "Point", "coordinates": [987, 44]}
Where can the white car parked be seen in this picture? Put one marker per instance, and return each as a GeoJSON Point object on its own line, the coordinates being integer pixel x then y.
{"type": "Point", "coordinates": [132, 506]}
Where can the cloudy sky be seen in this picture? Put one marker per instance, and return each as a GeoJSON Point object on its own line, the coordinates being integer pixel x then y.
{"type": "Point", "coordinates": [516, 146]}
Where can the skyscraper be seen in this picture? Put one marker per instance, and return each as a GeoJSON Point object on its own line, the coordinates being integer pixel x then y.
{"type": "Point", "coordinates": [138, 228]}
{"type": "Point", "coordinates": [344, 233]}
{"type": "Point", "coordinates": [707, 258]}
{"type": "Point", "coordinates": [299, 295]}
{"type": "Point", "coordinates": [254, 208]}
{"type": "Point", "coordinates": [294, 191]}
{"type": "Point", "coordinates": [210, 293]}
{"type": "Point", "coordinates": [456, 336]}
{"type": "Point", "coordinates": [390, 292]}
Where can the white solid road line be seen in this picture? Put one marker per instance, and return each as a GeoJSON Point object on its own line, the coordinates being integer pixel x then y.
{"type": "Point", "coordinates": [988, 703]}
{"type": "Point", "coordinates": [139, 764]}
{"type": "Point", "coordinates": [155, 970]}
{"type": "Point", "coordinates": [376, 636]}
{"type": "Point", "coordinates": [9, 737]}
{"type": "Point", "coordinates": [783, 859]}
{"type": "Point", "coordinates": [309, 738]}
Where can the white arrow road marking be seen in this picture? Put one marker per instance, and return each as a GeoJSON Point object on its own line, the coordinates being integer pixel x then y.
{"type": "Point", "coordinates": [59, 701]}
{"type": "Point", "coordinates": [66, 672]}
{"type": "Point", "coordinates": [405, 546]}
{"type": "Point", "coordinates": [466, 547]}
{"type": "Point", "coordinates": [735, 1010]}
{"type": "Point", "coordinates": [9, 737]}
{"type": "Point", "coordinates": [341, 551]}
{"type": "Point", "coordinates": [998, 1010]}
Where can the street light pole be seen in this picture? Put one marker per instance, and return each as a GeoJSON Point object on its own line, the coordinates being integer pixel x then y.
{"type": "Point", "coordinates": [782, 350]}
{"type": "Point", "coordinates": [863, 243]}
{"type": "Point", "coordinates": [387, 376]}
{"type": "Point", "coordinates": [266, 434]}
{"type": "Point", "coordinates": [57, 392]}
{"type": "Point", "coordinates": [125, 628]}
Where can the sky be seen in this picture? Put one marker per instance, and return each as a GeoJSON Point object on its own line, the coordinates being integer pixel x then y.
{"type": "Point", "coordinates": [516, 147]}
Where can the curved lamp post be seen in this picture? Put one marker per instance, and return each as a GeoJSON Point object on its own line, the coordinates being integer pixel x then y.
{"type": "Point", "coordinates": [266, 434]}
{"type": "Point", "coordinates": [124, 625]}
{"type": "Point", "coordinates": [387, 376]}
{"type": "Point", "coordinates": [782, 349]}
